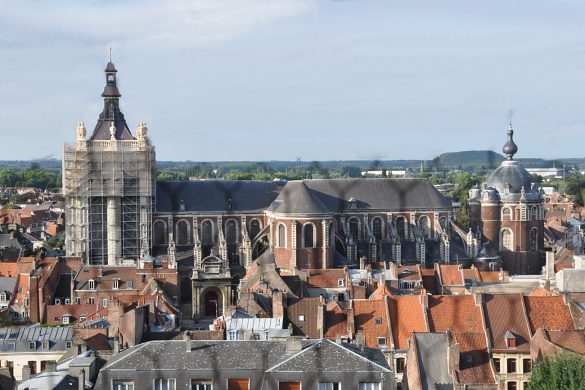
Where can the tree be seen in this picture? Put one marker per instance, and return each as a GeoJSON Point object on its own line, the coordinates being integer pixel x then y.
{"type": "Point", "coordinates": [55, 242]}
{"type": "Point", "coordinates": [8, 178]}
{"type": "Point", "coordinates": [564, 371]}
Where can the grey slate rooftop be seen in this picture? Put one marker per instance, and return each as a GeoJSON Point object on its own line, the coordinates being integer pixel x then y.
{"type": "Point", "coordinates": [214, 195]}
{"type": "Point", "coordinates": [248, 355]}
{"type": "Point", "coordinates": [432, 351]}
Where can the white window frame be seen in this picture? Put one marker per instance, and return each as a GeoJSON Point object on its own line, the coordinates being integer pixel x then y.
{"type": "Point", "coordinates": [169, 384]}
{"type": "Point", "coordinates": [328, 386]}
{"type": "Point", "coordinates": [65, 320]}
{"type": "Point", "coordinates": [122, 384]}
{"type": "Point", "coordinates": [202, 384]}
{"type": "Point", "coordinates": [91, 284]}
{"type": "Point", "coordinates": [369, 386]}
{"type": "Point", "coordinates": [116, 284]}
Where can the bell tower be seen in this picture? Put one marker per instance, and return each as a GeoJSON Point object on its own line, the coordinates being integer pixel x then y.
{"type": "Point", "coordinates": [108, 182]}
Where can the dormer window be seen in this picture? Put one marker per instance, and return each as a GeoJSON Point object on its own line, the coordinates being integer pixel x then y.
{"type": "Point", "coordinates": [340, 282]}
{"type": "Point", "coordinates": [352, 203]}
{"type": "Point", "coordinates": [91, 284]}
{"type": "Point", "coordinates": [3, 297]}
{"type": "Point", "coordinates": [510, 340]}
{"type": "Point", "coordinates": [116, 284]}
{"type": "Point", "coordinates": [66, 319]}
{"type": "Point", "coordinates": [230, 204]}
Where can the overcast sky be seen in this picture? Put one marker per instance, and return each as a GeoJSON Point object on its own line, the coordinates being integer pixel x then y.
{"type": "Point", "coordinates": [280, 79]}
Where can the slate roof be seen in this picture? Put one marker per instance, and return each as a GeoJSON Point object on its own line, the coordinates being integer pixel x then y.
{"type": "Point", "coordinates": [17, 339]}
{"type": "Point", "coordinates": [504, 314]}
{"type": "Point", "coordinates": [330, 195]}
{"type": "Point", "coordinates": [213, 195]}
{"type": "Point", "coordinates": [549, 313]}
{"type": "Point", "coordinates": [7, 284]}
{"type": "Point", "coordinates": [322, 355]}
{"type": "Point", "coordinates": [432, 354]}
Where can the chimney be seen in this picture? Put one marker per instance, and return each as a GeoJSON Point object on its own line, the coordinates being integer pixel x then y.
{"type": "Point", "coordinates": [51, 366]}
{"type": "Point", "coordinates": [294, 344]}
{"type": "Point", "coordinates": [116, 345]}
{"type": "Point", "coordinates": [187, 339]}
{"type": "Point", "coordinates": [478, 298]}
{"type": "Point", "coordinates": [362, 262]}
{"type": "Point", "coordinates": [81, 380]}
{"type": "Point", "coordinates": [424, 301]}
{"type": "Point", "coordinates": [25, 373]}
{"type": "Point", "coordinates": [361, 339]}
{"type": "Point", "coordinates": [278, 304]}
{"type": "Point", "coordinates": [321, 319]}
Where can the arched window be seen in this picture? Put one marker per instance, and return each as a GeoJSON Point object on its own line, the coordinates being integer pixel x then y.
{"type": "Point", "coordinates": [207, 232]}
{"type": "Point", "coordinates": [354, 229]}
{"type": "Point", "coordinates": [308, 235]}
{"type": "Point", "coordinates": [424, 226]}
{"type": "Point", "coordinates": [281, 242]}
{"type": "Point", "coordinates": [506, 214]}
{"type": "Point", "coordinates": [534, 239]}
{"type": "Point", "coordinates": [443, 222]}
{"type": "Point", "coordinates": [534, 213]}
{"type": "Point", "coordinates": [231, 232]}
{"type": "Point", "coordinates": [183, 233]}
{"type": "Point", "coordinates": [377, 226]}
{"type": "Point", "coordinates": [160, 233]}
{"type": "Point", "coordinates": [255, 228]}
{"type": "Point", "coordinates": [506, 240]}
{"type": "Point", "coordinates": [401, 227]}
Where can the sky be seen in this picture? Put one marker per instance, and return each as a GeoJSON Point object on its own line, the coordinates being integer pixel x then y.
{"type": "Point", "coordinates": [260, 80]}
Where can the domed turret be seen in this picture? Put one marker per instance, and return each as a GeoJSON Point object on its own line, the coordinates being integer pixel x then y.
{"type": "Point", "coordinates": [510, 148]}
{"type": "Point", "coordinates": [510, 177]}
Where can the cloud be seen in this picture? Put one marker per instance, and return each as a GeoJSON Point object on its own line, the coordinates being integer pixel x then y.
{"type": "Point", "coordinates": [172, 23]}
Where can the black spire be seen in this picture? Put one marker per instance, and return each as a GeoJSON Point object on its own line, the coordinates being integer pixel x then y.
{"type": "Point", "coordinates": [510, 148]}
{"type": "Point", "coordinates": [111, 112]}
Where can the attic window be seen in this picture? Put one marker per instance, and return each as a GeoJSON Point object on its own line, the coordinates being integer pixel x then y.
{"type": "Point", "coordinates": [91, 284]}
{"type": "Point", "coordinates": [340, 282]}
{"type": "Point", "coordinates": [301, 317]}
{"type": "Point", "coordinates": [230, 204]}
{"type": "Point", "coordinates": [32, 345]}
{"type": "Point", "coordinates": [116, 284]}
{"type": "Point", "coordinates": [510, 340]}
{"type": "Point", "coordinates": [378, 320]}
{"type": "Point", "coordinates": [66, 319]}
{"type": "Point", "coordinates": [352, 203]}
{"type": "Point", "coordinates": [382, 341]}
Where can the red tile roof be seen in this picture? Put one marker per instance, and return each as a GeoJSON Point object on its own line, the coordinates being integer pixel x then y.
{"type": "Point", "coordinates": [308, 308]}
{"type": "Point", "coordinates": [474, 362]}
{"type": "Point", "coordinates": [55, 313]}
{"type": "Point", "coordinates": [451, 275]}
{"type": "Point", "coordinates": [381, 292]}
{"type": "Point", "coordinates": [573, 340]}
{"type": "Point", "coordinates": [549, 313]}
{"type": "Point", "coordinates": [325, 278]}
{"type": "Point", "coordinates": [22, 289]}
{"type": "Point", "coordinates": [8, 269]}
{"type": "Point", "coordinates": [489, 276]}
{"type": "Point", "coordinates": [458, 313]}
{"type": "Point", "coordinates": [371, 317]}
{"type": "Point", "coordinates": [406, 316]}
{"type": "Point", "coordinates": [430, 280]}
{"type": "Point", "coordinates": [505, 313]}
{"type": "Point", "coordinates": [336, 324]}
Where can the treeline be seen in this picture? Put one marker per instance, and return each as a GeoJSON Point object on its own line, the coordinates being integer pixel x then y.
{"type": "Point", "coordinates": [257, 171]}
{"type": "Point", "coordinates": [34, 176]}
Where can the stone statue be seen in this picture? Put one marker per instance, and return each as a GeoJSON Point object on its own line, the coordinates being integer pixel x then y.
{"type": "Point", "coordinates": [112, 132]}
{"type": "Point", "coordinates": [142, 131]}
{"type": "Point", "coordinates": [80, 129]}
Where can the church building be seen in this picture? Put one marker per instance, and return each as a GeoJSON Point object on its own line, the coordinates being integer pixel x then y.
{"type": "Point", "coordinates": [117, 214]}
